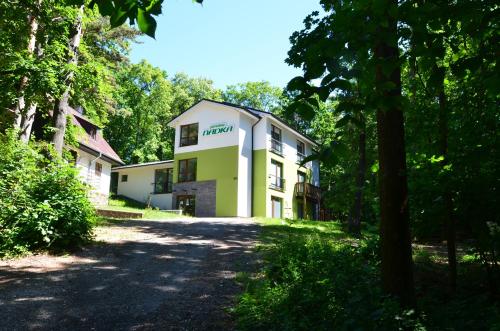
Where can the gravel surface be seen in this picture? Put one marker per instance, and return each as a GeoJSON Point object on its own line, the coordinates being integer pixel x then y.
{"type": "Point", "coordinates": [141, 275]}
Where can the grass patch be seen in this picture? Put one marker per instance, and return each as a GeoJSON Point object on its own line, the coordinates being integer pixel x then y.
{"type": "Point", "coordinates": [124, 204]}
{"type": "Point", "coordinates": [314, 276]}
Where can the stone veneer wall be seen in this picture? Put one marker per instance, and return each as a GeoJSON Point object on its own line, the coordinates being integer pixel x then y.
{"type": "Point", "coordinates": [204, 192]}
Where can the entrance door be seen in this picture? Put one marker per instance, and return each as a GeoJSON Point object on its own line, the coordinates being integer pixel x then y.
{"type": "Point", "coordinates": [186, 203]}
{"type": "Point", "coordinates": [276, 207]}
{"type": "Point", "coordinates": [300, 210]}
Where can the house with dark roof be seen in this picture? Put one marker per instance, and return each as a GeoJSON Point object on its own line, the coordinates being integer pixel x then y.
{"type": "Point", "coordinates": [94, 157]}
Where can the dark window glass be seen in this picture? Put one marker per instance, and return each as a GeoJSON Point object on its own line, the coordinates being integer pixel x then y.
{"type": "Point", "coordinates": [98, 169]}
{"type": "Point", "coordinates": [276, 145]}
{"type": "Point", "coordinates": [187, 170]}
{"type": "Point", "coordinates": [276, 175]}
{"type": "Point", "coordinates": [163, 180]}
{"type": "Point", "coordinates": [275, 133]}
{"type": "Point", "coordinates": [189, 135]}
{"type": "Point", "coordinates": [124, 178]}
{"type": "Point", "coordinates": [301, 151]}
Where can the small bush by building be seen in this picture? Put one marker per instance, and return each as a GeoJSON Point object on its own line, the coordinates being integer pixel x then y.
{"type": "Point", "coordinates": [43, 204]}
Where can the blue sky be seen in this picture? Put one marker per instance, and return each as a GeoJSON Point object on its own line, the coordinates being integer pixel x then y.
{"type": "Point", "coordinates": [228, 41]}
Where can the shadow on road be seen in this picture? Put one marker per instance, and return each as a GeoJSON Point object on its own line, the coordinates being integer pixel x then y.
{"type": "Point", "coordinates": [176, 274]}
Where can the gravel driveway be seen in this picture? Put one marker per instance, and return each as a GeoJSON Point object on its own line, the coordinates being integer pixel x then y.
{"type": "Point", "coordinates": [142, 275]}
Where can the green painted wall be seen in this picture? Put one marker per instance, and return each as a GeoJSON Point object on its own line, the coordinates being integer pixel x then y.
{"type": "Point", "coordinates": [290, 169]}
{"type": "Point", "coordinates": [260, 182]}
{"type": "Point", "coordinates": [220, 164]}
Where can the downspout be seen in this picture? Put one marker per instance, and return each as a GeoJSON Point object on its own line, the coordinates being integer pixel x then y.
{"type": "Point", "coordinates": [252, 179]}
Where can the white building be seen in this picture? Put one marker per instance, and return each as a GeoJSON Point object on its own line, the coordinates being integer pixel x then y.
{"type": "Point", "coordinates": [94, 158]}
{"type": "Point", "coordinates": [229, 160]}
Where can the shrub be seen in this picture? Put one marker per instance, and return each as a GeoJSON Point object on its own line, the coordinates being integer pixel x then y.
{"type": "Point", "coordinates": [315, 284]}
{"type": "Point", "coordinates": [43, 204]}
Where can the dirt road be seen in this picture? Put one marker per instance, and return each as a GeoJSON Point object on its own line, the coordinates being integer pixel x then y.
{"type": "Point", "coordinates": [142, 275]}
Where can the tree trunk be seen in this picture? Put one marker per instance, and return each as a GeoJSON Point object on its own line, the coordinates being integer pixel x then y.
{"type": "Point", "coordinates": [62, 104]}
{"type": "Point", "coordinates": [355, 218]}
{"type": "Point", "coordinates": [397, 264]}
{"type": "Point", "coordinates": [24, 119]}
{"type": "Point", "coordinates": [448, 219]}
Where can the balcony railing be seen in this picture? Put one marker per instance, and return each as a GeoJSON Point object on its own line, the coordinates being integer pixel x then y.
{"type": "Point", "coordinates": [308, 190]}
{"type": "Point", "coordinates": [276, 183]}
{"type": "Point", "coordinates": [276, 146]}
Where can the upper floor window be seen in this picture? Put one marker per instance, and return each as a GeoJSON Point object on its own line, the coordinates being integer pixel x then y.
{"type": "Point", "coordinates": [187, 170]}
{"type": "Point", "coordinates": [189, 134]}
{"type": "Point", "coordinates": [163, 180]}
{"type": "Point", "coordinates": [276, 145]}
{"type": "Point", "coordinates": [98, 169]}
{"type": "Point", "coordinates": [301, 151]}
{"type": "Point", "coordinates": [275, 133]}
{"type": "Point", "coordinates": [277, 181]}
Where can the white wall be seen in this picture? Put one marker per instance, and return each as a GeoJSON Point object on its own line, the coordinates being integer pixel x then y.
{"type": "Point", "coordinates": [86, 165]}
{"type": "Point", "coordinates": [140, 185]}
{"type": "Point", "coordinates": [262, 139]}
{"type": "Point", "coordinates": [206, 114]}
{"type": "Point", "coordinates": [245, 166]}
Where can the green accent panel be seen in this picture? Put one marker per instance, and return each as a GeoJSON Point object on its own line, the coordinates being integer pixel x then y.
{"type": "Point", "coordinates": [259, 182]}
{"type": "Point", "coordinates": [220, 164]}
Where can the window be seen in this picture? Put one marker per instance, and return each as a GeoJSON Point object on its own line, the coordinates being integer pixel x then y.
{"type": "Point", "coordinates": [301, 151]}
{"type": "Point", "coordinates": [189, 134]}
{"type": "Point", "coordinates": [276, 145]}
{"type": "Point", "coordinates": [163, 180]}
{"type": "Point", "coordinates": [276, 176]}
{"type": "Point", "coordinates": [301, 177]}
{"type": "Point", "coordinates": [187, 170]}
{"type": "Point", "coordinates": [98, 169]}
{"type": "Point", "coordinates": [124, 178]}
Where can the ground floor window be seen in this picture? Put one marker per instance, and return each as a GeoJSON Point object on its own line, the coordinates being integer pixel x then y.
{"type": "Point", "coordinates": [276, 207]}
{"type": "Point", "coordinates": [187, 204]}
{"type": "Point", "coordinates": [163, 180]}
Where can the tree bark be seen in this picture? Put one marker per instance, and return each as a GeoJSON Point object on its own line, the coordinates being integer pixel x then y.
{"type": "Point", "coordinates": [62, 104]}
{"type": "Point", "coordinates": [355, 219]}
{"type": "Point", "coordinates": [448, 218]}
{"type": "Point", "coordinates": [397, 264]}
{"type": "Point", "coordinates": [24, 118]}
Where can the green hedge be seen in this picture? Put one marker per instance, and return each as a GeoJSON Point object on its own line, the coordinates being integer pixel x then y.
{"type": "Point", "coordinates": [43, 204]}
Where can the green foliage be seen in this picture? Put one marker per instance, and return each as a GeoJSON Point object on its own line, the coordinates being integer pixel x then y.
{"type": "Point", "coordinates": [260, 95]}
{"type": "Point", "coordinates": [312, 282]}
{"type": "Point", "coordinates": [140, 12]}
{"type": "Point", "coordinates": [43, 204]}
{"type": "Point", "coordinates": [146, 100]}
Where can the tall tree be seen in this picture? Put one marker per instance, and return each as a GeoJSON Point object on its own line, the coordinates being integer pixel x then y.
{"type": "Point", "coordinates": [260, 95]}
{"type": "Point", "coordinates": [25, 113]}
{"type": "Point", "coordinates": [359, 43]}
{"type": "Point", "coordinates": [62, 104]}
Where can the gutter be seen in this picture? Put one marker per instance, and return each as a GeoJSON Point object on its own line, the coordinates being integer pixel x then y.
{"type": "Point", "coordinates": [252, 179]}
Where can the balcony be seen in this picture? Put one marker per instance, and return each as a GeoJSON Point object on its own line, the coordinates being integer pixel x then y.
{"type": "Point", "coordinates": [276, 146]}
{"type": "Point", "coordinates": [308, 190]}
{"type": "Point", "coordinates": [276, 183]}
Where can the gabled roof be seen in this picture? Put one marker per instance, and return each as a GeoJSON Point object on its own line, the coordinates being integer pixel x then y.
{"type": "Point", "coordinates": [145, 164]}
{"type": "Point", "coordinates": [241, 108]}
{"type": "Point", "coordinates": [95, 144]}
{"type": "Point", "coordinates": [257, 113]}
